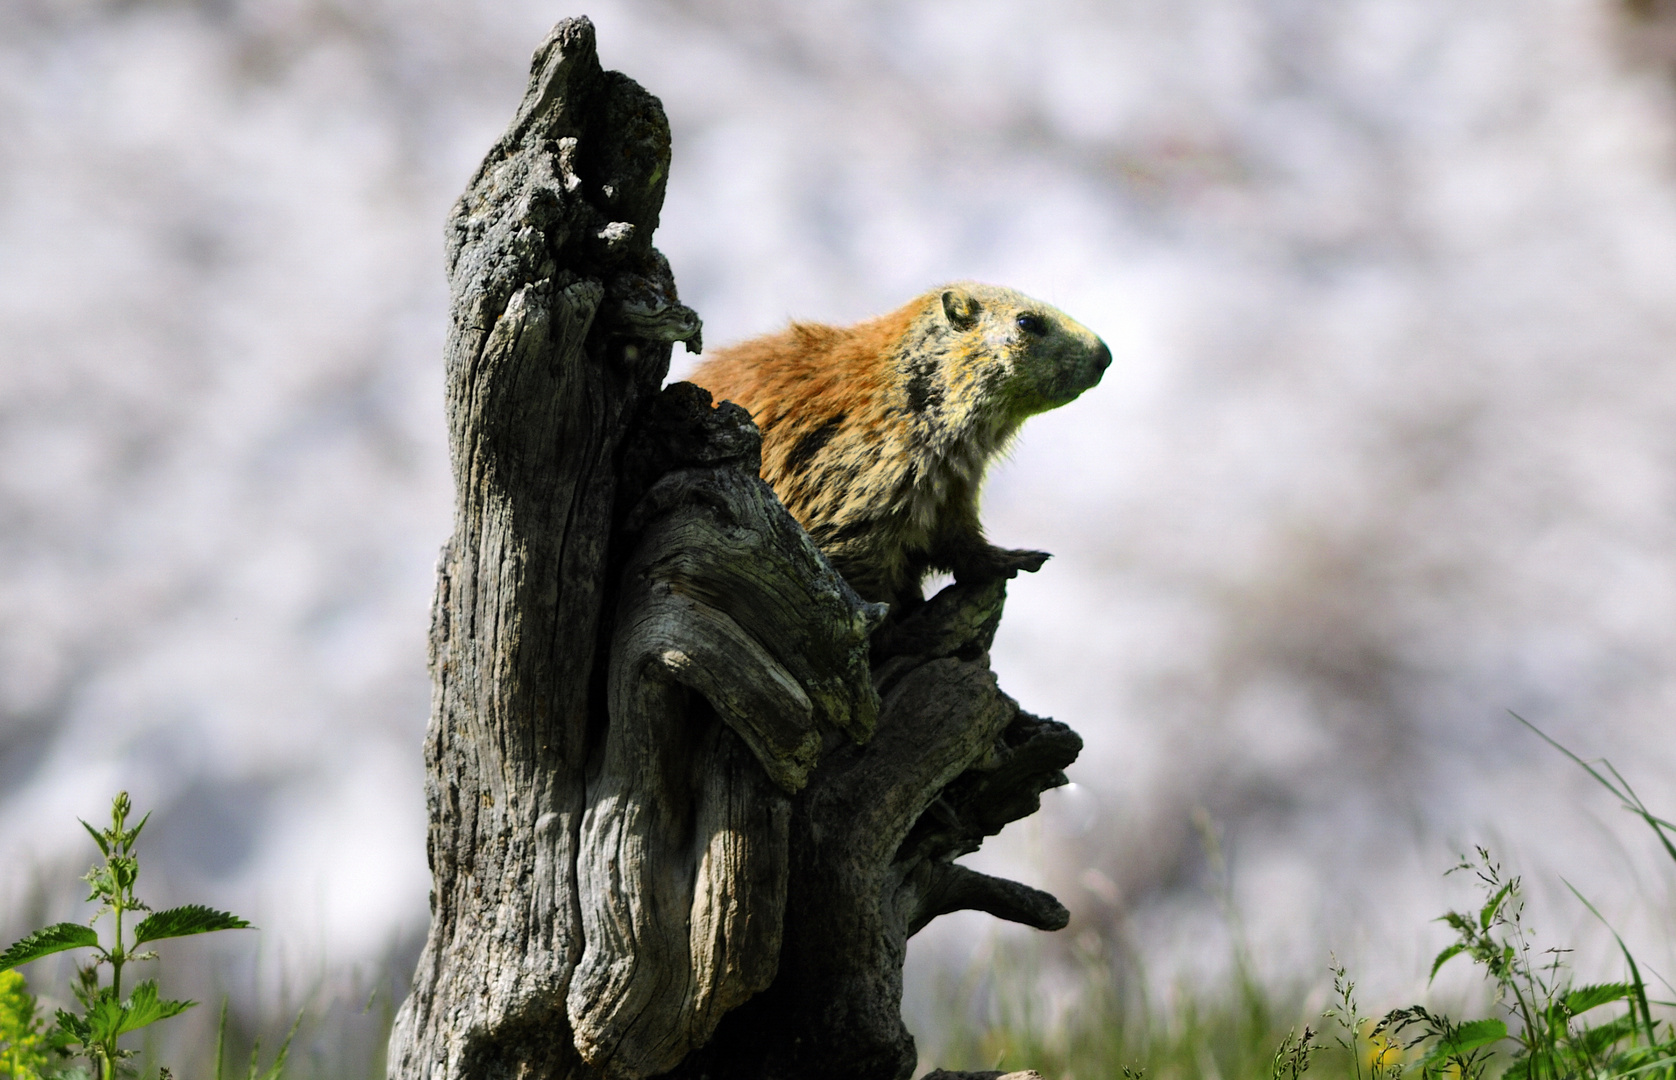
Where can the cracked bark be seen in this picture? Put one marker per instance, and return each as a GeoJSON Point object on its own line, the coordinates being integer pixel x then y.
{"type": "Point", "coordinates": [689, 796]}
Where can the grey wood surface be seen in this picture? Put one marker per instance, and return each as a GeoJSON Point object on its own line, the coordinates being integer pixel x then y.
{"type": "Point", "coordinates": [689, 795]}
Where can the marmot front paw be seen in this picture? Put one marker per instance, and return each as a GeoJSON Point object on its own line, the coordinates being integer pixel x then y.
{"type": "Point", "coordinates": [998, 562]}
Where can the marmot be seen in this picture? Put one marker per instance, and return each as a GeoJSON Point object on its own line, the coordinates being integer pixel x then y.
{"type": "Point", "coordinates": [876, 436]}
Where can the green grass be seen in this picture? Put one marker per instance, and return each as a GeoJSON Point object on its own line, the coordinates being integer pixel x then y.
{"type": "Point", "coordinates": [1538, 1022]}
{"type": "Point", "coordinates": [1091, 1016]}
{"type": "Point", "coordinates": [1102, 1022]}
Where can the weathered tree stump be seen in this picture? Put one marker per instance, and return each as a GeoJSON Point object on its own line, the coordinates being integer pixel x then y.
{"type": "Point", "coordinates": [689, 795]}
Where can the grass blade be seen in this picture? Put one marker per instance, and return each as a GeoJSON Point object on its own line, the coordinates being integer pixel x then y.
{"type": "Point", "coordinates": [278, 1067]}
{"type": "Point", "coordinates": [221, 1040]}
{"type": "Point", "coordinates": [1627, 795]}
{"type": "Point", "coordinates": [1638, 999]}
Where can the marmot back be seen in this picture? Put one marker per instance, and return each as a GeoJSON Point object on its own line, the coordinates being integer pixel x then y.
{"type": "Point", "coordinates": [876, 436]}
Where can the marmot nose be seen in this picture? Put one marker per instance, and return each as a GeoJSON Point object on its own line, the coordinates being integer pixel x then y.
{"type": "Point", "coordinates": [1103, 358]}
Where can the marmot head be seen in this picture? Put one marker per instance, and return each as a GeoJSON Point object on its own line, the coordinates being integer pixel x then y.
{"type": "Point", "coordinates": [1010, 357]}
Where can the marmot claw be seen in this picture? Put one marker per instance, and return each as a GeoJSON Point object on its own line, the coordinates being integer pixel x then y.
{"type": "Point", "coordinates": [1020, 559]}
{"type": "Point", "coordinates": [996, 562]}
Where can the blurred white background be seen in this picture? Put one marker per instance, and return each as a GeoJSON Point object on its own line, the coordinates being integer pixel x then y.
{"type": "Point", "coordinates": [1389, 448]}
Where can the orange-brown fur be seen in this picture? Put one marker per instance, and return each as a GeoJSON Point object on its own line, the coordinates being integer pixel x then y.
{"type": "Point", "coordinates": [876, 436]}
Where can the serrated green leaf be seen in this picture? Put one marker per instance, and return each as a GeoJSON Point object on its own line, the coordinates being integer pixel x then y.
{"type": "Point", "coordinates": [145, 1007]}
{"type": "Point", "coordinates": [1459, 922]}
{"type": "Point", "coordinates": [1444, 957]}
{"type": "Point", "coordinates": [125, 870]}
{"type": "Point", "coordinates": [1584, 998]}
{"type": "Point", "coordinates": [71, 1030]}
{"type": "Point", "coordinates": [1637, 988]}
{"type": "Point", "coordinates": [185, 921]}
{"type": "Point", "coordinates": [108, 1019]}
{"type": "Point", "coordinates": [57, 938]}
{"type": "Point", "coordinates": [102, 1022]}
{"type": "Point", "coordinates": [1598, 1039]}
{"type": "Point", "coordinates": [1467, 1038]}
{"type": "Point", "coordinates": [98, 838]}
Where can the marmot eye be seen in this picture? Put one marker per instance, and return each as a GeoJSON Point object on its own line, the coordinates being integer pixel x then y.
{"type": "Point", "coordinates": [1034, 325]}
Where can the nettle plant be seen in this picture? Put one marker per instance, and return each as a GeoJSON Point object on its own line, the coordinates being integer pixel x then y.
{"type": "Point", "coordinates": [95, 1032]}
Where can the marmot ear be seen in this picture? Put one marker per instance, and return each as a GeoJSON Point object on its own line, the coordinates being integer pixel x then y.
{"type": "Point", "coordinates": [962, 309]}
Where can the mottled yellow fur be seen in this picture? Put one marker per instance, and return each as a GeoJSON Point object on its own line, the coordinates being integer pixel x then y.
{"type": "Point", "coordinates": [876, 436]}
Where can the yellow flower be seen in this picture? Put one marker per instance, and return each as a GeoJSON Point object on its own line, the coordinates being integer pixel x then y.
{"type": "Point", "coordinates": [23, 1051]}
{"type": "Point", "coordinates": [1381, 1054]}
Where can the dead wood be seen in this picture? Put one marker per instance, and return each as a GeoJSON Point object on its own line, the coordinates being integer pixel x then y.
{"type": "Point", "coordinates": [688, 797]}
